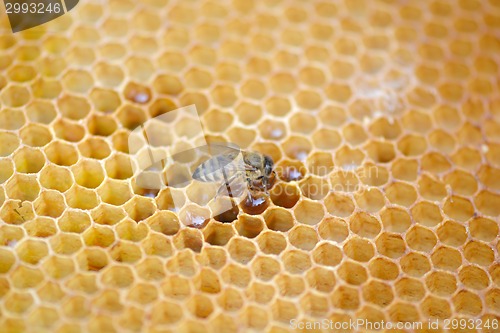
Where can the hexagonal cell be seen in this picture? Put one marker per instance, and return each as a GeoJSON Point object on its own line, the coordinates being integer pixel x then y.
{"type": "Point", "coordinates": [309, 212]}
{"type": "Point", "coordinates": [9, 142]}
{"type": "Point", "coordinates": [22, 187]}
{"type": "Point", "coordinates": [207, 281]}
{"type": "Point", "coordinates": [426, 213]}
{"type": "Point", "coordinates": [137, 93]}
{"type": "Point", "coordinates": [11, 119]}
{"type": "Point", "coordinates": [395, 219]}
{"type": "Point", "coordinates": [268, 148]}
{"type": "Point", "coordinates": [315, 188]}
{"type": "Point", "coordinates": [95, 148]}
{"type": "Point", "coordinates": [265, 268]}
{"type": "Point", "coordinates": [236, 275]}
{"type": "Point", "coordinates": [41, 227]}
{"type": "Point", "coordinates": [271, 242]}
{"type": "Point", "coordinates": [441, 283]}
{"type": "Point", "coordinates": [446, 258]}
{"type": "Point", "coordinates": [401, 193]}
{"type": "Point", "coordinates": [8, 260]}
{"type": "Point", "coordinates": [16, 211]}
{"type": "Point", "coordinates": [78, 81]}
{"type": "Point", "coordinates": [391, 245]}
{"type": "Point", "coordinates": [403, 312]}
{"type": "Point", "coordinates": [421, 239]}
{"type": "Point", "coordinates": [6, 169]}
{"type": "Point", "coordinates": [345, 298]}
{"type": "Point", "coordinates": [15, 96]}
{"type": "Point", "coordinates": [383, 269]}
{"type": "Point", "coordinates": [415, 264]}
{"type": "Point", "coordinates": [467, 158]}
{"type": "Point", "coordinates": [303, 237]}
{"type": "Point", "coordinates": [352, 273]}
{"type": "Point", "coordinates": [434, 307]}
{"type": "Point", "coordinates": [249, 226]}
{"type": "Point", "coordinates": [405, 169]}
{"type": "Point", "coordinates": [151, 269]}
{"type": "Point", "coordinates": [218, 234]}
{"type": "Point", "coordinates": [272, 130]}
{"type": "Point", "coordinates": [58, 267]}
{"type": "Point", "coordinates": [370, 200]}
{"type": "Point", "coordinates": [131, 116]}
{"type": "Point", "coordinates": [326, 139]}
{"type": "Point", "coordinates": [452, 233]}
{"type": "Point", "coordinates": [50, 203]}
{"type": "Point", "coordinates": [488, 203]}
{"type": "Point", "coordinates": [18, 303]}
{"type": "Point", "coordinates": [410, 289]}
{"type": "Point", "coordinates": [339, 204]}
{"type": "Point", "coordinates": [479, 253]}
{"type": "Point", "coordinates": [327, 254]}
{"type": "Point", "coordinates": [24, 277]}
{"type": "Point", "coordinates": [61, 153]}
{"type": "Point", "coordinates": [35, 135]}
{"type": "Point", "coordinates": [334, 229]}
{"type": "Point", "coordinates": [458, 208]}
{"type": "Point", "coordinates": [359, 249]}
{"type": "Point", "coordinates": [378, 293]}
{"type": "Point", "coordinates": [114, 192]}
{"type": "Point", "coordinates": [278, 219]}
{"type": "Point", "coordinates": [81, 198]}
{"type": "Point", "coordinates": [365, 225]}
{"type": "Point", "coordinates": [189, 239]}
{"type": "Point", "coordinates": [484, 229]}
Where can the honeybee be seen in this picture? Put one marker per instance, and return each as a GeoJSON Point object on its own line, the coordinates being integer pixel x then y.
{"type": "Point", "coordinates": [229, 165]}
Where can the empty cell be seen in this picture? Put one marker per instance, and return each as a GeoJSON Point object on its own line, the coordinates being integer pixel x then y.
{"type": "Point", "coordinates": [314, 305]}
{"type": "Point", "coordinates": [327, 254]}
{"type": "Point", "coordinates": [58, 267]}
{"type": "Point", "coordinates": [380, 152]}
{"type": "Point", "coordinates": [50, 203]}
{"type": "Point", "coordinates": [109, 75]}
{"type": "Point", "coordinates": [431, 188]}
{"type": "Point", "coordinates": [81, 198]}
{"type": "Point", "coordinates": [73, 107]}
{"type": "Point", "coordinates": [131, 116]}
{"type": "Point", "coordinates": [435, 163]}
{"type": "Point", "coordinates": [334, 229]}
{"type": "Point", "coordinates": [284, 311]}
{"type": "Point", "coordinates": [490, 177]}
{"type": "Point", "coordinates": [24, 277]}
{"type": "Point", "coordinates": [255, 317]}
{"type": "Point", "coordinates": [236, 275]}
{"type": "Point", "coordinates": [189, 239]}
{"type": "Point", "coordinates": [441, 283]}
{"type": "Point", "coordinates": [217, 233]}
{"type": "Point", "coordinates": [377, 293]}
{"type": "Point", "coordinates": [372, 175]}
{"type": "Point", "coordinates": [383, 128]}
{"type": "Point", "coordinates": [77, 81]}
{"type": "Point", "coordinates": [302, 123]}
{"type": "Point", "coordinates": [74, 221]}
{"type": "Point", "coordinates": [345, 298]}
{"type": "Point", "coordinates": [488, 203]}
{"type": "Point", "coordinates": [265, 268]}
{"type": "Point", "coordinates": [326, 139]}
{"type": "Point", "coordinates": [410, 289]}
{"type": "Point", "coordinates": [359, 249]}
{"type": "Point", "coordinates": [157, 245]}
{"type": "Point", "coordinates": [391, 245]}
{"type": "Point", "coordinates": [421, 239]}
{"type": "Point", "coordinates": [339, 205]}
{"type": "Point", "coordinates": [467, 158]}
{"type": "Point", "coordinates": [395, 219]}
{"type": "Point", "coordinates": [41, 227]}
{"type": "Point", "coordinates": [309, 212]}
{"type": "Point", "coordinates": [314, 188]}
{"type": "Point", "coordinates": [150, 269]}
{"type": "Point", "coordinates": [105, 100]}
{"type": "Point", "coordinates": [35, 135]}
{"type": "Point", "coordinates": [479, 253]}
{"type": "Point", "coordinates": [9, 142]}
{"type": "Point", "coordinates": [68, 130]}
{"type": "Point", "coordinates": [458, 208]}
{"type": "Point", "coordinates": [11, 119]}
{"type": "Point", "coordinates": [283, 83]}
{"type": "Point", "coordinates": [349, 159]}
{"type": "Point", "coordinates": [401, 193]}
{"type": "Point", "coordinates": [61, 153]}
{"type": "Point", "coordinates": [303, 237]}
{"type": "Point", "coordinates": [452, 233]}
{"type": "Point", "coordinates": [352, 273]}
{"type": "Point", "coordinates": [321, 279]}
{"type": "Point", "coordinates": [164, 222]}
{"type": "Point", "coordinates": [7, 169]}
{"type": "Point", "coordinates": [18, 302]}
{"type": "Point", "coordinates": [278, 219]}
{"type": "Point", "coordinates": [365, 225]}
{"type": "Point", "coordinates": [101, 125]}
{"type": "Point", "coordinates": [483, 229]}
{"type": "Point", "coordinates": [130, 230]}
{"type": "Point", "coordinates": [249, 226]}
{"type": "Point", "coordinates": [426, 213]}
{"type": "Point", "coordinates": [114, 192]}
{"type": "Point", "coordinates": [22, 187]}
{"type": "Point", "coordinates": [383, 269]}
{"type": "Point", "coordinates": [446, 258]}
{"type": "Point", "coordinates": [15, 96]}
{"type": "Point", "coordinates": [241, 250]}
{"type": "Point", "coordinates": [207, 281]}
{"type": "Point", "coordinates": [433, 307]}
{"type": "Point", "coordinates": [297, 147]}
{"type": "Point", "coordinates": [405, 169]}
{"type": "Point", "coordinates": [143, 294]}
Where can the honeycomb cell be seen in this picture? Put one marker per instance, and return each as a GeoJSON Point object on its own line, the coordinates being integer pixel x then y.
{"type": "Point", "coordinates": [483, 229]}
{"type": "Point", "coordinates": [415, 264]}
{"type": "Point", "coordinates": [327, 255]}
{"type": "Point", "coordinates": [410, 289]}
{"type": "Point", "coordinates": [265, 268]}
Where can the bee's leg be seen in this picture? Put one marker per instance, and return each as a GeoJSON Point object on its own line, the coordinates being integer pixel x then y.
{"type": "Point", "coordinates": [226, 186]}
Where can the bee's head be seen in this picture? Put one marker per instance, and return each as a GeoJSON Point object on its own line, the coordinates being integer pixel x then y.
{"type": "Point", "coordinates": [268, 166]}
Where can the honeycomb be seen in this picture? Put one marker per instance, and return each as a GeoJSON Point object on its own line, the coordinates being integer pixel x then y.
{"type": "Point", "coordinates": [382, 117]}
